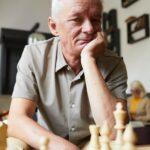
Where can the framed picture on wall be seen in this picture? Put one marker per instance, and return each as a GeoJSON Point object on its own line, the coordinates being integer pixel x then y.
{"type": "Point", "coordinates": [112, 31]}
{"type": "Point", "coordinates": [138, 28]}
{"type": "Point", "coordinates": [126, 3]}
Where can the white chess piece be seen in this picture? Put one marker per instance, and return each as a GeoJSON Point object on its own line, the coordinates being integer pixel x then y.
{"type": "Point", "coordinates": [44, 141]}
{"type": "Point", "coordinates": [94, 141]}
{"type": "Point", "coordinates": [129, 138]}
{"type": "Point", "coordinates": [120, 116]}
{"type": "Point", "coordinates": [105, 132]}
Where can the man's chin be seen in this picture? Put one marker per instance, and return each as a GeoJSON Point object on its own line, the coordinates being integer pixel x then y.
{"type": "Point", "coordinates": [81, 46]}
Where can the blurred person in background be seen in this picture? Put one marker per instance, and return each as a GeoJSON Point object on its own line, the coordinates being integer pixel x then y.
{"type": "Point", "coordinates": [139, 103]}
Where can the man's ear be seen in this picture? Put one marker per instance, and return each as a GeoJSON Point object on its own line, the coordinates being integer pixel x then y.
{"type": "Point", "coordinates": [52, 26]}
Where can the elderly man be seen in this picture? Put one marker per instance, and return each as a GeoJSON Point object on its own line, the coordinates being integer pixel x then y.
{"type": "Point", "coordinates": [72, 79]}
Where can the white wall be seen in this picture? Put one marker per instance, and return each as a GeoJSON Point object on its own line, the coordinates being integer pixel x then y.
{"type": "Point", "coordinates": [23, 14]}
{"type": "Point", "coordinates": [137, 55]}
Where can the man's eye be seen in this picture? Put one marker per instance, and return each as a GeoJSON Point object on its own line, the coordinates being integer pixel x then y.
{"type": "Point", "coordinates": [96, 20]}
{"type": "Point", "coordinates": [76, 19]}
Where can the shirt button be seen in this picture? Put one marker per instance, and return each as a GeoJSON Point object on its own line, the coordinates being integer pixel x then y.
{"type": "Point", "coordinates": [68, 68]}
{"type": "Point", "coordinates": [72, 105]}
{"type": "Point", "coordinates": [73, 129]}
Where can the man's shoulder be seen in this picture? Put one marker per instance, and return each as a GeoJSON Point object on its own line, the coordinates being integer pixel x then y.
{"type": "Point", "coordinates": [110, 53]}
{"type": "Point", "coordinates": [37, 53]}
{"type": "Point", "coordinates": [111, 62]}
{"type": "Point", "coordinates": [110, 57]}
{"type": "Point", "coordinates": [41, 46]}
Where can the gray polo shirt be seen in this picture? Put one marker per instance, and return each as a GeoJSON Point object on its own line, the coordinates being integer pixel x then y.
{"type": "Point", "coordinates": [63, 106]}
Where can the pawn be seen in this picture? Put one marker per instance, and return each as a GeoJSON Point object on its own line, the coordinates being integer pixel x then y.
{"type": "Point", "coordinates": [129, 138]}
{"type": "Point", "coordinates": [94, 141]}
{"type": "Point", "coordinates": [105, 132]}
{"type": "Point", "coordinates": [44, 141]}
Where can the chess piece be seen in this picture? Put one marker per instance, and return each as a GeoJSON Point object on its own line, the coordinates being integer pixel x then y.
{"type": "Point", "coordinates": [3, 135]}
{"type": "Point", "coordinates": [129, 138]}
{"type": "Point", "coordinates": [44, 143]}
{"type": "Point", "coordinates": [94, 141]}
{"type": "Point", "coordinates": [16, 144]}
{"type": "Point", "coordinates": [120, 116]}
{"type": "Point", "coordinates": [105, 132]}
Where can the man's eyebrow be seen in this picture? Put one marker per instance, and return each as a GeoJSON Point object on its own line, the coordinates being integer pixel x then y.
{"type": "Point", "coordinates": [75, 14]}
{"type": "Point", "coordinates": [97, 13]}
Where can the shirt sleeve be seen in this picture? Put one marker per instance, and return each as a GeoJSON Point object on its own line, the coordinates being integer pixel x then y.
{"type": "Point", "coordinates": [117, 82]}
{"type": "Point", "coordinates": [25, 86]}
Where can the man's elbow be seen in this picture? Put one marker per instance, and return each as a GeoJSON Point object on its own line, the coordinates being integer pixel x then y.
{"type": "Point", "coordinates": [11, 127]}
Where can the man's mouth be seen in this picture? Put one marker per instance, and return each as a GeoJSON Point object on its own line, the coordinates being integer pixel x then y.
{"type": "Point", "coordinates": [85, 41]}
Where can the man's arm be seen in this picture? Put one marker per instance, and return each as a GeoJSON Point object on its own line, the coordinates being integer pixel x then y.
{"type": "Point", "coordinates": [102, 102]}
{"type": "Point", "coordinates": [22, 126]}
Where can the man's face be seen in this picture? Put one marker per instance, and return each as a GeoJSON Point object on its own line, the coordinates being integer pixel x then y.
{"type": "Point", "coordinates": [78, 24]}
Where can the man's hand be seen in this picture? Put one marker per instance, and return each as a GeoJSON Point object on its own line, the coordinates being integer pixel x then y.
{"type": "Point", "coordinates": [61, 144]}
{"type": "Point", "coordinates": [20, 114]}
{"type": "Point", "coordinates": [96, 47]}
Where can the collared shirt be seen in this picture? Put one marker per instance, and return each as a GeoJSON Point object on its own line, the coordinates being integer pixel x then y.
{"type": "Point", "coordinates": [63, 107]}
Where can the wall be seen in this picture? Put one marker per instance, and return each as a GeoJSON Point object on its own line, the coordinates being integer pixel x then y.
{"type": "Point", "coordinates": [136, 56]}
{"type": "Point", "coordinates": [23, 14]}
{"type": "Point", "coordinates": [0, 67]}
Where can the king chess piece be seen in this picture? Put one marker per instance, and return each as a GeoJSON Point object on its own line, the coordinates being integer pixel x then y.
{"type": "Point", "coordinates": [120, 116]}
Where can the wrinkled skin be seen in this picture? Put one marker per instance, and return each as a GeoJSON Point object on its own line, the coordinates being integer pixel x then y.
{"type": "Point", "coordinates": [78, 24]}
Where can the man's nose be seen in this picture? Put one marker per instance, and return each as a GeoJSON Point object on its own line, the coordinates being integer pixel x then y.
{"type": "Point", "coordinates": [87, 27]}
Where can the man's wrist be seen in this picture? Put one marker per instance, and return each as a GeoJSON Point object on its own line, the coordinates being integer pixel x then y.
{"type": "Point", "coordinates": [87, 59]}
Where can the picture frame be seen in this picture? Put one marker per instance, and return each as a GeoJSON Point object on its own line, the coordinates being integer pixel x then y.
{"type": "Point", "coordinates": [138, 28]}
{"type": "Point", "coordinates": [111, 30]}
{"type": "Point", "coordinates": [126, 3]}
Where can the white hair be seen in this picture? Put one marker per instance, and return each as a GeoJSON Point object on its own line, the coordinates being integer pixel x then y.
{"type": "Point", "coordinates": [137, 84]}
{"type": "Point", "coordinates": [56, 6]}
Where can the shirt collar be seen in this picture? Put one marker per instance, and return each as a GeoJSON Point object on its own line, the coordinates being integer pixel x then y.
{"type": "Point", "coordinates": [60, 60]}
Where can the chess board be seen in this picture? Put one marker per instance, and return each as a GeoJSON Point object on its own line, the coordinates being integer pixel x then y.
{"type": "Point", "coordinates": [113, 146]}
{"type": "Point", "coordinates": [127, 137]}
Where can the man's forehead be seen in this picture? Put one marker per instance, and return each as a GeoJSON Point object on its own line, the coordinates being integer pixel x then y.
{"type": "Point", "coordinates": [93, 2]}
{"type": "Point", "coordinates": [81, 6]}
{"type": "Point", "coordinates": [77, 5]}
{"type": "Point", "coordinates": [80, 0]}
{"type": "Point", "coordinates": [80, 10]}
